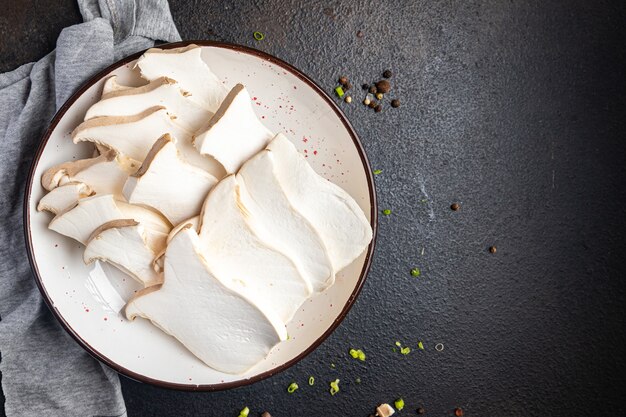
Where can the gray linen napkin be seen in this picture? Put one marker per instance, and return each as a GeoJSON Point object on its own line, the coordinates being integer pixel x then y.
{"type": "Point", "coordinates": [44, 372]}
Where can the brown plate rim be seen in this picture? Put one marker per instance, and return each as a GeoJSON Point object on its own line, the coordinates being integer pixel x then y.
{"type": "Point", "coordinates": [204, 387]}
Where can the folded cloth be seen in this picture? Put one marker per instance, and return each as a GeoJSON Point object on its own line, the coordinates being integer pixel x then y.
{"type": "Point", "coordinates": [44, 372]}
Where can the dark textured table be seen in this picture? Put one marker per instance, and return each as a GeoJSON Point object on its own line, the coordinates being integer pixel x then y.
{"type": "Point", "coordinates": [516, 110]}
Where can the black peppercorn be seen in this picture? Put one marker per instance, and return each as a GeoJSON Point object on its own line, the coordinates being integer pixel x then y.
{"type": "Point", "coordinates": [365, 87]}
{"type": "Point", "coordinates": [383, 86]}
{"type": "Point", "coordinates": [359, 34]}
{"type": "Point", "coordinates": [458, 412]}
{"type": "Point", "coordinates": [455, 207]}
{"type": "Point", "coordinates": [373, 89]}
{"type": "Point", "coordinates": [421, 410]}
{"type": "Point", "coordinates": [343, 80]}
{"type": "Point", "coordinates": [372, 104]}
{"type": "Point", "coordinates": [378, 108]}
{"type": "Point", "coordinates": [387, 74]}
{"type": "Point", "coordinates": [395, 103]}
{"type": "Point", "coordinates": [266, 414]}
{"type": "Point", "coordinates": [492, 249]}
{"type": "Point", "coordinates": [347, 85]}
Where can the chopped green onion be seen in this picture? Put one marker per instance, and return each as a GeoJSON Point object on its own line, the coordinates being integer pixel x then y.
{"type": "Point", "coordinates": [357, 354]}
{"type": "Point", "coordinates": [339, 91]}
{"type": "Point", "coordinates": [353, 353]}
{"type": "Point", "coordinates": [334, 387]}
{"type": "Point", "coordinates": [244, 412]}
{"type": "Point", "coordinates": [399, 403]}
{"type": "Point", "coordinates": [386, 212]}
{"type": "Point", "coordinates": [398, 344]}
{"type": "Point", "coordinates": [332, 365]}
{"type": "Point", "coordinates": [378, 171]}
{"type": "Point", "coordinates": [420, 345]}
{"type": "Point", "coordinates": [416, 272]}
{"type": "Point", "coordinates": [358, 380]}
{"type": "Point", "coordinates": [311, 380]}
{"type": "Point", "coordinates": [259, 36]}
{"type": "Point", "coordinates": [361, 355]}
{"type": "Point", "coordinates": [292, 387]}
{"type": "Point", "coordinates": [405, 350]}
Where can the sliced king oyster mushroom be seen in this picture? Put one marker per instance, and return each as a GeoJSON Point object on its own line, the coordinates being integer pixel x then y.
{"type": "Point", "coordinates": [234, 133]}
{"type": "Point", "coordinates": [186, 66]}
{"type": "Point", "coordinates": [238, 257]}
{"type": "Point", "coordinates": [111, 85]}
{"type": "Point", "coordinates": [63, 197]}
{"type": "Point", "coordinates": [223, 328]}
{"type": "Point", "coordinates": [168, 184]}
{"type": "Point", "coordinates": [160, 92]}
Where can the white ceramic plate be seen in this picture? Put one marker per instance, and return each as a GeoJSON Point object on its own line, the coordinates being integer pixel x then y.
{"type": "Point", "coordinates": [87, 300]}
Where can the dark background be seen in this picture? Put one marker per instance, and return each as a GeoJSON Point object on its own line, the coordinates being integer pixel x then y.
{"type": "Point", "coordinates": [514, 109]}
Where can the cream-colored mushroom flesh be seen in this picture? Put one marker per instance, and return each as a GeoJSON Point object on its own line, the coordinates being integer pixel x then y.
{"type": "Point", "coordinates": [223, 328]}
{"type": "Point", "coordinates": [160, 92]}
{"type": "Point", "coordinates": [63, 197]}
{"type": "Point", "coordinates": [234, 133]}
{"type": "Point", "coordinates": [333, 212]}
{"type": "Point", "coordinates": [123, 243]}
{"type": "Point", "coordinates": [279, 223]}
{"type": "Point", "coordinates": [186, 66]}
{"type": "Point", "coordinates": [156, 225]}
{"type": "Point", "coordinates": [169, 184]}
{"type": "Point", "coordinates": [238, 256]}
{"type": "Point", "coordinates": [111, 85]}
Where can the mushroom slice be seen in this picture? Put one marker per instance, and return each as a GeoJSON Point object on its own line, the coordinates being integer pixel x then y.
{"type": "Point", "coordinates": [111, 85]}
{"type": "Point", "coordinates": [280, 223]}
{"type": "Point", "coordinates": [333, 212]}
{"type": "Point", "coordinates": [234, 133]}
{"type": "Point", "coordinates": [168, 184]}
{"type": "Point", "coordinates": [133, 136]}
{"type": "Point", "coordinates": [156, 225]}
{"type": "Point", "coordinates": [64, 197]}
{"type": "Point", "coordinates": [221, 327]}
{"type": "Point", "coordinates": [123, 244]}
{"type": "Point", "coordinates": [160, 92]}
{"type": "Point", "coordinates": [241, 259]}
{"type": "Point", "coordinates": [193, 223]}
{"type": "Point", "coordinates": [186, 66]}
{"type": "Point", "coordinates": [104, 174]}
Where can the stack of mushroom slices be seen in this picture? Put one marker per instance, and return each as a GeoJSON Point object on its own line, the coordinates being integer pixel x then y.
{"type": "Point", "coordinates": [224, 223]}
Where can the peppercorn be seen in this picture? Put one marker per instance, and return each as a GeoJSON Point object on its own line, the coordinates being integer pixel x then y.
{"type": "Point", "coordinates": [455, 207]}
{"type": "Point", "coordinates": [348, 99]}
{"type": "Point", "coordinates": [347, 85]}
{"type": "Point", "coordinates": [458, 412]}
{"type": "Point", "coordinates": [367, 101]}
{"type": "Point", "coordinates": [383, 86]}
{"type": "Point", "coordinates": [372, 104]}
{"type": "Point", "coordinates": [373, 89]}
{"type": "Point", "coordinates": [365, 87]}
{"type": "Point", "coordinates": [395, 103]}
{"type": "Point", "coordinates": [379, 96]}
{"type": "Point", "coordinates": [343, 80]}
{"type": "Point", "coordinates": [266, 414]}
{"type": "Point", "coordinates": [492, 249]}
{"type": "Point", "coordinates": [359, 34]}
{"type": "Point", "coordinates": [378, 108]}
{"type": "Point", "coordinates": [387, 74]}
{"type": "Point", "coordinates": [421, 410]}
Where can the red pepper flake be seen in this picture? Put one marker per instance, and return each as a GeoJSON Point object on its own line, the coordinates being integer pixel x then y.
{"type": "Point", "coordinates": [86, 310]}
{"type": "Point", "coordinates": [253, 98]}
{"type": "Point", "coordinates": [56, 245]}
{"type": "Point", "coordinates": [304, 139]}
{"type": "Point", "coordinates": [305, 151]}
{"type": "Point", "coordinates": [295, 88]}
{"type": "Point", "coordinates": [314, 152]}
{"type": "Point", "coordinates": [105, 319]}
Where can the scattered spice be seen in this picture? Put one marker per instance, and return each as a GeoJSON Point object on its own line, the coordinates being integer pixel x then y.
{"type": "Point", "coordinates": [373, 89]}
{"type": "Point", "coordinates": [359, 34]}
{"type": "Point", "coordinates": [347, 85]}
{"type": "Point", "coordinates": [358, 380]}
{"type": "Point", "coordinates": [343, 80]}
{"type": "Point", "coordinates": [244, 412]}
{"type": "Point", "coordinates": [416, 272]}
{"type": "Point", "coordinates": [405, 350]}
{"type": "Point", "coordinates": [366, 101]}
{"type": "Point", "coordinates": [492, 249]}
{"type": "Point", "coordinates": [384, 410]}
{"type": "Point", "coordinates": [348, 99]}
{"type": "Point", "coordinates": [334, 387]}
{"type": "Point", "coordinates": [458, 412]}
{"type": "Point", "coordinates": [332, 365]}
{"type": "Point", "coordinates": [379, 96]}
{"type": "Point", "coordinates": [372, 104]}
{"type": "Point", "coordinates": [386, 212]}
{"type": "Point", "coordinates": [378, 108]}
{"type": "Point", "coordinates": [455, 207]}
{"type": "Point", "coordinates": [357, 354]}
{"type": "Point", "coordinates": [378, 171]}
{"type": "Point", "coordinates": [311, 380]}
{"type": "Point", "coordinates": [292, 387]}
{"type": "Point", "coordinates": [339, 91]}
{"type": "Point", "coordinates": [420, 410]}
{"type": "Point", "coordinates": [383, 86]}
{"type": "Point", "coordinates": [259, 36]}
{"type": "Point", "coordinates": [395, 103]}
{"type": "Point", "coordinates": [399, 403]}
{"type": "Point", "coordinates": [365, 87]}
{"type": "Point", "coordinates": [439, 347]}
{"type": "Point", "coordinates": [420, 345]}
{"type": "Point", "coordinates": [266, 414]}
{"type": "Point", "coordinates": [387, 73]}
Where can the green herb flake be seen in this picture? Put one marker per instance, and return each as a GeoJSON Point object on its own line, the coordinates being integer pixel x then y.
{"type": "Point", "coordinates": [378, 171]}
{"type": "Point", "coordinates": [398, 344]}
{"type": "Point", "coordinates": [420, 345]}
{"type": "Point", "coordinates": [416, 272]}
{"type": "Point", "coordinates": [311, 380]}
{"type": "Point", "coordinates": [405, 350]}
{"type": "Point", "coordinates": [399, 403]}
{"type": "Point", "coordinates": [339, 91]}
{"type": "Point", "coordinates": [244, 412]}
{"type": "Point", "coordinates": [357, 354]}
{"type": "Point", "coordinates": [332, 365]}
{"type": "Point", "coordinates": [292, 387]}
{"type": "Point", "coordinates": [386, 212]}
{"type": "Point", "coordinates": [259, 36]}
{"type": "Point", "coordinates": [334, 387]}
{"type": "Point", "coordinates": [358, 380]}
